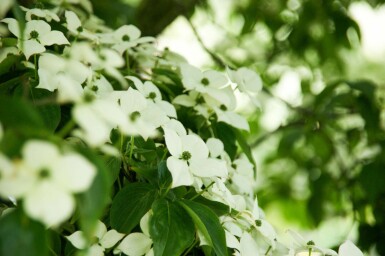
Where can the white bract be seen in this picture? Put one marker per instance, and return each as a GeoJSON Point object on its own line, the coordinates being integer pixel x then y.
{"type": "Point", "coordinates": [64, 75]}
{"type": "Point", "coordinates": [46, 179]}
{"type": "Point", "coordinates": [104, 240]}
{"type": "Point", "coordinates": [124, 38]}
{"type": "Point", "coordinates": [190, 156]}
{"type": "Point", "coordinates": [137, 243]}
{"type": "Point", "coordinates": [36, 35]}
{"type": "Point", "coordinates": [247, 81]}
{"type": "Point", "coordinates": [48, 15]}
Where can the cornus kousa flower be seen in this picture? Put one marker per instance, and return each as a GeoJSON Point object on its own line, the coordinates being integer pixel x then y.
{"type": "Point", "coordinates": [104, 240]}
{"type": "Point", "coordinates": [138, 243]}
{"type": "Point", "coordinates": [34, 13]}
{"type": "Point", "coordinates": [46, 179]}
{"type": "Point", "coordinates": [124, 38]}
{"type": "Point", "coordinates": [36, 35]}
{"type": "Point", "coordinates": [74, 26]}
{"type": "Point", "coordinates": [247, 81]}
{"type": "Point", "coordinates": [64, 75]}
{"type": "Point", "coordinates": [189, 158]}
{"type": "Point", "coordinates": [153, 95]}
{"type": "Point", "coordinates": [143, 118]}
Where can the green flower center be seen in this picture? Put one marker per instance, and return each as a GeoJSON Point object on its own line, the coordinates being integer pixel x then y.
{"type": "Point", "coordinates": [258, 223]}
{"type": "Point", "coordinates": [205, 81]}
{"type": "Point", "coordinates": [200, 100]}
{"type": "Point", "coordinates": [134, 116]}
{"type": "Point", "coordinates": [34, 34]}
{"type": "Point", "coordinates": [152, 95]}
{"type": "Point", "coordinates": [94, 88]}
{"type": "Point", "coordinates": [310, 243]}
{"type": "Point", "coordinates": [223, 107]}
{"type": "Point", "coordinates": [80, 29]}
{"type": "Point", "coordinates": [126, 38]}
{"type": "Point", "coordinates": [44, 173]}
{"type": "Point", "coordinates": [186, 155]}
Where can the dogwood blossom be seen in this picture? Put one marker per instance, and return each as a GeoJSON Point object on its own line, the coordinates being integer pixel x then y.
{"type": "Point", "coordinates": [137, 243]}
{"type": "Point", "coordinates": [46, 179]}
{"type": "Point", "coordinates": [64, 75]}
{"type": "Point", "coordinates": [48, 15]}
{"type": "Point", "coordinates": [36, 35]}
{"type": "Point", "coordinates": [124, 38]}
{"type": "Point", "coordinates": [105, 240]}
{"type": "Point", "coordinates": [190, 156]}
{"type": "Point", "coordinates": [74, 25]}
{"type": "Point", "coordinates": [247, 81]}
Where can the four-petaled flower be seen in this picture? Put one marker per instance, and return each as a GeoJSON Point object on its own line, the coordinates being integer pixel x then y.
{"type": "Point", "coordinates": [36, 35]}
{"type": "Point", "coordinates": [46, 180]}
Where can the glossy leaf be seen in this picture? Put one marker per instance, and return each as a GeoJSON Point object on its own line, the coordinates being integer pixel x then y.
{"type": "Point", "coordinates": [130, 204]}
{"type": "Point", "coordinates": [208, 223]}
{"type": "Point", "coordinates": [171, 228]}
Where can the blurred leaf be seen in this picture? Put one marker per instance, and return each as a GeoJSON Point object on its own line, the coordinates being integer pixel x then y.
{"type": "Point", "coordinates": [207, 223]}
{"type": "Point", "coordinates": [49, 112]}
{"type": "Point", "coordinates": [130, 204]}
{"type": "Point", "coordinates": [21, 236]}
{"type": "Point", "coordinates": [245, 148]}
{"type": "Point", "coordinates": [171, 228]}
{"type": "Point", "coordinates": [372, 178]}
{"type": "Point", "coordinates": [94, 200]}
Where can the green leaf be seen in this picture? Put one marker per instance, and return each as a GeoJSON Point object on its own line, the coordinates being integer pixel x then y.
{"type": "Point", "coordinates": [171, 228]}
{"type": "Point", "coordinates": [18, 114]}
{"type": "Point", "coordinates": [94, 200]}
{"type": "Point", "coordinates": [130, 204]}
{"type": "Point", "coordinates": [226, 134]}
{"type": "Point", "coordinates": [22, 236]}
{"type": "Point", "coordinates": [164, 176]}
{"type": "Point", "coordinates": [113, 164]}
{"type": "Point", "coordinates": [217, 207]}
{"type": "Point", "coordinates": [208, 223]}
{"type": "Point", "coordinates": [49, 112]}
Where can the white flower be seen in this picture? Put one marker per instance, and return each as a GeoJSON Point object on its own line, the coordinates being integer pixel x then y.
{"type": "Point", "coordinates": [65, 75]}
{"type": "Point", "coordinates": [40, 13]}
{"type": "Point", "coordinates": [190, 156]}
{"type": "Point", "coordinates": [36, 35]}
{"type": "Point", "coordinates": [97, 118]}
{"type": "Point", "coordinates": [5, 5]}
{"type": "Point", "coordinates": [137, 244]}
{"type": "Point", "coordinates": [74, 25]}
{"type": "Point", "coordinates": [105, 240]}
{"type": "Point", "coordinates": [349, 249]}
{"type": "Point", "coordinates": [143, 118]}
{"type": "Point", "coordinates": [247, 81]}
{"type": "Point", "coordinates": [46, 179]}
{"type": "Point", "coordinates": [301, 248]}
{"type": "Point", "coordinates": [152, 93]}
{"type": "Point", "coordinates": [124, 38]}
{"type": "Point", "coordinates": [242, 176]}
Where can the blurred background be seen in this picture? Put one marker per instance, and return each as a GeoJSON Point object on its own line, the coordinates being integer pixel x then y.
{"type": "Point", "coordinates": [318, 135]}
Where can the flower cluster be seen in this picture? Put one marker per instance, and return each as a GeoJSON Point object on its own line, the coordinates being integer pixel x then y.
{"type": "Point", "coordinates": [161, 135]}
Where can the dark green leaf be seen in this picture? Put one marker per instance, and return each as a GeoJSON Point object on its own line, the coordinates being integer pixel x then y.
{"type": "Point", "coordinates": [130, 204]}
{"type": "Point", "coordinates": [94, 200]}
{"type": "Point", "coordinates": [171, 228]}
{"type": "Point", "coordinates": [226, 134]}
{"type": "Point", "coordinates": [113, 164]}
{"type": "Point", "coordinates": [208, 223]}
{"type": "Point", "coordinates": [19, 114]}
{"type": "Point", "coordinates": [164, 175]}
{"type": "Point", "coordinates": [21, 236]}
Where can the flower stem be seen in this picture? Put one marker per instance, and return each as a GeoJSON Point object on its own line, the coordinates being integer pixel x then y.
{"type": "Point", "coordinates": [66, 129]}
{"type": "Point", "coordinates": [35, 62]}
{"type": "Point", "coordinates": [204, 190]}
{"type": "Point", "coordinates": [268, 250]}
{"type": "Point", "coordinates": [131, 147]}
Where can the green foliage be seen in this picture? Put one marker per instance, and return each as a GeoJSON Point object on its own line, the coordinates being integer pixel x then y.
{"type": "Point", "coordinates": [171, 229]}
